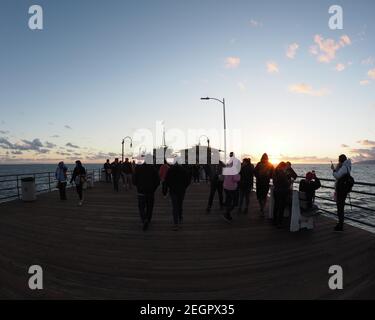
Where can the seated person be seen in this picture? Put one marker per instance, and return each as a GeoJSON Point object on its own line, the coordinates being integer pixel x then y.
{"type": "Point", "coordinates": [307, 188]}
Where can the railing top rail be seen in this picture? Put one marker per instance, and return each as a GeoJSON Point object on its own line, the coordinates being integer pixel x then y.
{"type": "Point", "coordinates": [38, 173]}
{"type": "Point", "coordinates": [355, 183]}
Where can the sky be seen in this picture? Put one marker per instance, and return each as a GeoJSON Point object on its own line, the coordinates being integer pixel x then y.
{"type": "Point", "coordinates": [100, 71]}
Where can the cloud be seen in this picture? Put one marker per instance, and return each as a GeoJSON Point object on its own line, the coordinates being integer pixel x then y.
{"type": "Point", "coordinates": [4, 132]}
{"type": "Point", "coordinates": [340, 67]}
{"type": "Point", "coordinates": [368, 61]}
{"type": "Point", "coordinates": [366, 142]}
{"type": "Point", "coordinates": [365, 152]}
{"type": "Point", "coordinates": [292, 50]}
{"type": "Point", "coordinates": [326, 49]}
{"type": "Point", "coordinates": [67, 127]}
{"type": "Point", "coordinates": [303, 88]}
{"type": "Point", "coordinates": [371, 73]}
{"type": "Point", "coordinates": [255, 23]}
{"type": "Point", "coordinates": [55, 136]}
{"type": "Point", "coordinates": [364, 82]}
{"type": "Point", "coordinates": [344, 146]}
{"type": "Point", "coordinates": [241, 85]}
{"type": "Point", "coordinates": [49, 145]}
{"type": "Point", "coordinates": [72, 145]}
{"type": "Point", "coordinates": [232, 62]}
{"type": "Point", "coordinates": [272, 67]}
{"type": "Point", "coordinates": [34, 145]}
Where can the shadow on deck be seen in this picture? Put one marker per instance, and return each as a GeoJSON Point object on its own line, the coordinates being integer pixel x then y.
{"type": "Point", "coordinates": [99, 251]}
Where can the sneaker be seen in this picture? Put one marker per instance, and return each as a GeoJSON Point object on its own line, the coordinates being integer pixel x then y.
{"type": "Point", "coordinates": [227, 217]}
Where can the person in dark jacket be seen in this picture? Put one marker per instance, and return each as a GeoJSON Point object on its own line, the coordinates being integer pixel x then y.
{"type": "Point", "coordinates": [146, 179]}
{"type": "Point", "coordinates": [127, 170]}
{"type": "Point", "coordinates": [177, 180]}
{"type": "Point", "coordinates": [216, 184]}
{"type": "Point", "coordinates": [281, 191]}
{"type": "Point", "coordinates": [116, 173]}
{"type": "Point", "coordinates": [263, 173]}
{"type": "Point", "coordinates": [107, 169]}
{"type": "Point", "coordinates": [61, 177]}
{"type": "Point", "coordinates": [309, 185]}
{"type": "Point", "coordinates": [246, 183]}
{"type": "Point", "coordinates": [79, 178]}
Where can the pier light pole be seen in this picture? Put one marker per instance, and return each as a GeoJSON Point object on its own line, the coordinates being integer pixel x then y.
{"type": "Point", "coordinates": [225, 123]}
{"type": "Point", "coordinates": [123, 142]}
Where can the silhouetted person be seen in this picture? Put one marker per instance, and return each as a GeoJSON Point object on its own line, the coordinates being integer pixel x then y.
{"type": "Point", "coordinates": [107, 168]}
{"type": "Point", "coordinates": [61, 177]}
{"type": "Point", "coordinates": [177, 180]}
{"type": "Point", "coordinates": [116, 173]}
{"type": "Point", "coordinates": [280, 191]}
{"type": "Point", "coordinates": [216, 184]}
{"type": "Point", "coordinates": [163, 174]}
{"type": "Point", "coordinates": [79, 178]}
{"type": "Point", "coordinates": [291, 174]}
{"type": "Point", "coordinates": [309, 185]}
{"type": "Point", "coordinates": [263, 173]}
{"type": "Point", "coordinates": [146, 180]}
{"type": "Point", "coordinates": [196, 173]}
{"type": "Point", "coordinates": [342, 175]}
{"type": "Point", "coordinates": [128, 172]}
{"type": "Point", "coordinates": [246, 183]}
{"type": "Point", "coordinates": [231, 189]}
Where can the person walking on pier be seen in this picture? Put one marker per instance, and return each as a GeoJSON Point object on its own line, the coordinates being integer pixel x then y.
{"type": "Point", "coordinates": [163, 174]}
{"type": "Point", "coordinates": [107, 169]}
{"type": "Point", "coordinates": [177, 180]}
{"type": "Point", "coordinates": [263, 173]}
{"type": "Point", "coordinates": [246, 183]}
{"type": "Point", "coordinates": [128, 171]}
{"type": "Point", "coordinates": [231, 187]}
{"type": "Point", "coordinates": [61, 177]}
{"type": "Point", "coordinates": [281, 192]}
{"type": "Point", "coordinates": [216, 184]}
{"type": "Point", "coordinates": [343, 186]}
{"type": "Point", "coordinates": [146, 180]}
{"type": "Point", "coordinates": [79, 178]}
{"type": "Point", "coordinates": [116, 173]}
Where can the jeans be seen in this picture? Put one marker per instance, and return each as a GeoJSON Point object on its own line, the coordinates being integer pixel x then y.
{"type": "Point", "coordinates": [245, 195]}
{"type": "Point", "coordinates": [177, 203]}
{"type": "Point", "coordinates": [216, 186]}
{"type": "Point", "coordinates": [128, 180]}
{"type": "Point", "coordinates": [107, 177]}
{"type": "Point", "coordinates": [230, 198]}
{"type": "Point", "coordinates": [115, 182]}
{"type": "Point", "coordinates": [340, 202]}
{"type": "Point", "coordinates": [164, 187]}
{"type": "Point", "coordinates": [281, 199]}
{"type": "Point", "coordinates": [62, 190]}
{"type": "Point", "coordinates": [145, 206]}
{"type": "Point", "coordinates": [79, 189]}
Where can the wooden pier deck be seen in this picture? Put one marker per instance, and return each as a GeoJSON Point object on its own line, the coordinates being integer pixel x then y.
{"type": "Point", "coordinates": [99, 251]}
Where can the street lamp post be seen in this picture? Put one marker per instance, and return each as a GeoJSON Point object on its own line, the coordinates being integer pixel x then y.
{"type": "Point", "coordinates": [123, 142]}
{"type": "Point", "coordinates": [225, 123]}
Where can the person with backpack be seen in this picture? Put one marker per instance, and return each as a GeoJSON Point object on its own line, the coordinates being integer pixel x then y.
{"type": "Point", "coordinates": [61, 177]}
{"type": "Point", "coordinates": [343, 186]}
{"type": "Point", "coordinates": [146, 179]}
{"type": "Point", "coordinates": [79, 178]}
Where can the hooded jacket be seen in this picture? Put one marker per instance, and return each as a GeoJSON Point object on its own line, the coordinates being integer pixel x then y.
{"type": "Point", "coordinates": [345, 169]}
{"type": "Point", "coordinates": [60, 173]}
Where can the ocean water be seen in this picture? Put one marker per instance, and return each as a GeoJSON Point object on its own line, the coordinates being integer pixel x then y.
{"type": "Point", "coordinates": [361, 173]}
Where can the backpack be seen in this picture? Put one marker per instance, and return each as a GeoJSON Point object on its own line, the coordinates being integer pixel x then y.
{"type": "Point", "coordinates": [345, 184]}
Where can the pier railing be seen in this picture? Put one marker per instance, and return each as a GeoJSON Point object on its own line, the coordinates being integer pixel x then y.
{"type": "Point", "coordinates": [354, 200]}
{"type": "Point", "coordinates": [11, 184]}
